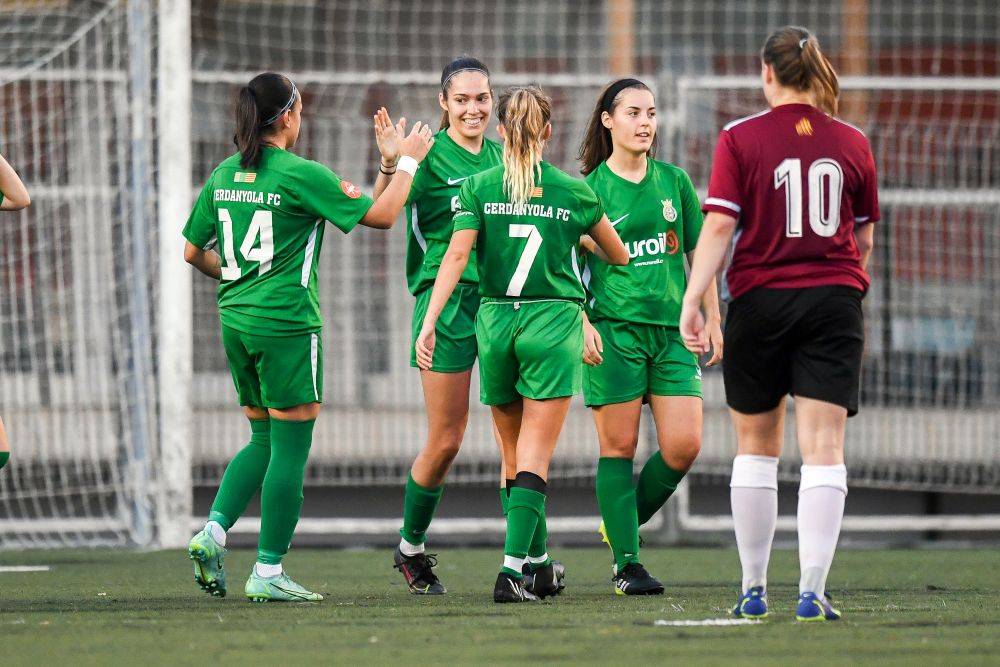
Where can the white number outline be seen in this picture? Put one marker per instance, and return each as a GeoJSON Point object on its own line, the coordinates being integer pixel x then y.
{"type": "Point", "coordinates": [528, 255]}
{"type": "Point", "coordinates": [824, 203]}
{"type": "Point", "coordinates": [262, 228]}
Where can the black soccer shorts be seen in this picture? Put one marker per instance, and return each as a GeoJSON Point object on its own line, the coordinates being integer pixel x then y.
{"type": "Point", "coordinates": [805, 342]}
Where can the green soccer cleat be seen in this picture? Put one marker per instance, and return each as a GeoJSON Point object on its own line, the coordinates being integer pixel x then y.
{"type": "Point", "coordinates": [277, 589]}
{"type": "Point", "coordinates": [207, 555]}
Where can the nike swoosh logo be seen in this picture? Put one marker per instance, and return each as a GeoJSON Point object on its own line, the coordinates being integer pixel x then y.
{"type": "Point", "coordinates": [615, 222]}
{"type": "Point", "coordinates": [456, 181]}
{"type": "Point", "coordinates": [292, 593]}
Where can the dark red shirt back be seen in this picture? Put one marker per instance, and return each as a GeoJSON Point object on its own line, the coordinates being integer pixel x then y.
{"type": "Point", "coordinates": [797, 181]}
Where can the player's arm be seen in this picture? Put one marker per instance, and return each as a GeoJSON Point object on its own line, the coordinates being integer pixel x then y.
{"type": "Point", "coordinates": [593, 346]}
{"type": "Point", "coordinates": [713, 318]}
{"type": "Point", "coordinates": [206, 261]}
{"type": "Point", "coordinates": [449, 273]}
{"type": "Point", "coordinates": [13, 194]}
{"type": "Point", "coordinates": [607, 245]}
{"type": "Point", "coordinates": [383, 213]}
{"type": "Point", "coordinates": [716, 234]}
{"type": "Point", "coordinates": [865, 237]}
{"type": "Point", "coordinates": [388, 138]}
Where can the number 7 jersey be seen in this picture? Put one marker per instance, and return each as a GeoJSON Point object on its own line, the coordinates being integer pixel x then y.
{"type": "Point", "coordinates": [529, 250]}
{"type": "Point", "coordinates": [267, 226]}
{"type": "Point", "coordinates": [798, 181]}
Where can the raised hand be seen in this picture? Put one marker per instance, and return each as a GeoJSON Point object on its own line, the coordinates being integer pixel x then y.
{"type": "Point", "coordinates": [418, 142]}
{"type": "Point", "coordinates": [388, 137]}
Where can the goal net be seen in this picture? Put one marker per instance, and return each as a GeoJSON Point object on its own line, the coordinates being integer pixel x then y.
{"type": "Point", "coordinates": [91, 387]}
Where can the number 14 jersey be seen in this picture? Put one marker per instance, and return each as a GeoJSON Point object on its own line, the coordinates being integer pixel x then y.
{"type": "Point", "coordinates": [798, 181]}
{"type": "Point", "coordinates": [267, 226]}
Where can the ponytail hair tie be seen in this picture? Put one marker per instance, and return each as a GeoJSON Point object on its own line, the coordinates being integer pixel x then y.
{"type": "Point", "coordinates": [802, 43]}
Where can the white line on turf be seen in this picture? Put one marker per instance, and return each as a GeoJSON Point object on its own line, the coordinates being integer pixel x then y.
{"type": "Point", "coordinates": [24, 568]}
{"type": "Point", "coordinates": [706, 622]}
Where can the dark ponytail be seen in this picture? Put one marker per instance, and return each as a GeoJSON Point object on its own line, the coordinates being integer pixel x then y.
{"type": "Point", "coordinates": [460, 64]}
{"type": "Point", "coordinates": [794, 55]}
{"type": "Point", "coordinates": [596, 146]}
{"type": "Point", "coordinates": [260, 103]}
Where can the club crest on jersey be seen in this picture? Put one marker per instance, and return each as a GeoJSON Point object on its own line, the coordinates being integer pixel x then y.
{"type": "Point", "coordinates": [244, 177]}
{"type": "Point", "coordinates": [350, 189]}
{"type": "Point", "coordinates": [669, 212]}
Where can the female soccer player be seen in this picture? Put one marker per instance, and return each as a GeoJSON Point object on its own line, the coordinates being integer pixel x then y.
{"type": "Point", "coordinates": [800, 186]}
{"type": "Point", "coordinates": [13, 197]}
{"type": "Point", "coordinates": [460, 150]}
{"type": "Point", "coordinates": [632, 345]}
{"type": "Point", "coordinates": [525, 219]}
{"type": "Point", "coordinates": [266, 207]}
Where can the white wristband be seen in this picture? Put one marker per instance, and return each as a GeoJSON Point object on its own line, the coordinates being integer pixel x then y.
{"type": "Point", "coordinates": [407, 164]}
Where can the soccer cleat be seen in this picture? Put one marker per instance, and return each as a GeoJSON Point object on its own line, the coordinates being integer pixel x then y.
{"type": "Point", "coordinates": [207, 555]}
{"type": "Point", "coordinates": [813, 607]}
{"type": "Point", "coordinates": [633, 579]}
{"type": "Point", "coordinates": [557, 568]}
{"type": "Point", "coordinates": [543, 581]}
{"type": "Point", "coordinates": [511, 589]}
{"type": "Point", "coordinates": [419, 573]}
{"type": "Point", "coordinates": [752, 604]}
{"type": "Point", "coordinates": [279, 588]}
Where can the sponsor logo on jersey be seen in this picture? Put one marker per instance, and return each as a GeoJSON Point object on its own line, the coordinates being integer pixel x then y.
{"type": "Point", "coordinates": [804, 128]}
{"type": "Point", "coordinates": [350, 189]}
{"type": "Point", "coordinates": [665, 243]}
{"type": "Point", "coordinates": [669, 212]}
{"type": "Point", "coordinates": [244, 177]}
{"type": "Point", "coordinates": [615, 222]}
{"type": "Point", "coordinates": [456, 181]}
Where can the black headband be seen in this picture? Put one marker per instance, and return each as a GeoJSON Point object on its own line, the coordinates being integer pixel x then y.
{"type": "Point", "coordinates": [288, 105]}
{"type": "Point", "coordinates": [618, 86]}
{"type": "Point", "coordinates": [445, 80]}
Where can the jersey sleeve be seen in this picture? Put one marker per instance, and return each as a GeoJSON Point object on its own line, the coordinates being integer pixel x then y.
{"type": "Point", "coordinates": [590, 207]}
{"type": "Point", "coordinates": [691, 210]}
{"type": "Point", "coordinates": [865, 204]}
{"type": "Point", "coordinates": [324, 194]}
{"type": "Point", "coordinates": [468, 214]}
{"type": "Point", "coordinates": [200, 226]}
{"type": "Point", "coordinates": [724, 185]}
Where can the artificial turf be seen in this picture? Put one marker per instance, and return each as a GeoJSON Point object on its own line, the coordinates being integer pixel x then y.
{"type": "Point", "coordinates": [122, 607]}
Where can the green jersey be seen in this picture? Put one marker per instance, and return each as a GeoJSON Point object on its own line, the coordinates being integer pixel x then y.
{"type": "Point", "coordinates": [658, 220]}
{"type": "Point", "coordinates": [529, 250]}
{"type": "Point", "coordinates": [433, 200]}
{"type": "Point", "coordinates": [268, 224]}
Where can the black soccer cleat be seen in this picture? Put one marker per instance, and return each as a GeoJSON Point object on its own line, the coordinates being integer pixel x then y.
{"type": "Point", "coordinates": [419, 573]}
{"type": "Point", "coordinates": [545, 581]}
{"type": "Point", "coordinates": [511, 589]}
{"type": "Point", "coordinates": [633, 579]}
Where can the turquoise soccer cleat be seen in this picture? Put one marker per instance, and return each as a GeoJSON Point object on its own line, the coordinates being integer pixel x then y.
{"type": "Point", "coordinates": [277, 589]}
{"type": "Point", "coordinates": [207, 555]}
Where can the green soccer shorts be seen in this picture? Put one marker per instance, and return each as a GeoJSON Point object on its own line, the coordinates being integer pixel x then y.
{"type": "Point", "coordinates": [275, 371]}
{"type": "Point", "coordinates": [455, 334]}
{"type": "Point", "coordinates": [640, 359]}
{"type": "Point", "coordinates": [529, 348]}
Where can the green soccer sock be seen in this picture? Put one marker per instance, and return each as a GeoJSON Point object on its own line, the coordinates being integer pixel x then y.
{"type": "Point", "coordinates": [4, 457]}
{"type": "Point", "coordinates": [523, 510]}
{"type": "Point", "coordinates": [657, 482]}
{"type": "Point", "coordinates": [539, 547]}
{"type": "Point", "coordinates": [243, 476]}
{"type": "Point", "coordinates": [505, 496]}
{"type": "Point", "coordinates": [281, 493]}
{"type": "Point", "coordinates": [419, 505]}
{"type": "Point", "coordinates": [616, 498]}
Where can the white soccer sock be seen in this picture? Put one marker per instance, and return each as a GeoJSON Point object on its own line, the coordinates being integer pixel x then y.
{"type": "Point", "coordinates": [267, 570]}
{"type": "Point", "coordinates": [754, 497]}
{"type": "Point", "coordinates": [516, 564]}
{"type": "Point", "coordinates": [410, 549]}
{"type": "Point", "coordinates": [822, 492]}
{"type": "Point", "coordinates": [218, 533]}
{"type": "Point", "coordinates": [537, 560]}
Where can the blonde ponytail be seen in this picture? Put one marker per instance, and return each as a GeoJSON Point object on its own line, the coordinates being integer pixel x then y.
{"type": "Point", "coordinates": [524, 112]}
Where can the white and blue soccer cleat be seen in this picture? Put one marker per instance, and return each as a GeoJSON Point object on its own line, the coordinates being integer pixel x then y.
{"type": "Point", "coordinates": [752, 604]}
{"type": "Point", "coordinates": [813, 607]}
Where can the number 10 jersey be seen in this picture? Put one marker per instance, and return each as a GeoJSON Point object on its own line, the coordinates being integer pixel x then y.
{"type": "Point", "coordinates": [267, 225]}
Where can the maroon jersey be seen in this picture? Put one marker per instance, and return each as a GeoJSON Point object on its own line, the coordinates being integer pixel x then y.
{"type": "Point", "coordinates": [797, 181]}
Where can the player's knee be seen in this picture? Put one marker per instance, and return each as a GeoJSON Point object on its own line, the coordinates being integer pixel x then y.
{"type": "Point", "coordinates": [620, 445]}
{"type": "Point", "coordinates": [681, 451]}
{"type": "Point", "coordinates": [444, 445]}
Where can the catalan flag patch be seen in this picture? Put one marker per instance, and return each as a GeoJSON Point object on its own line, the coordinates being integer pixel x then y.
{"type": "Point", "coordinates": [244, 177]}
{"type": "Point", "coordinates": [536, 192]}
{"type": "Point", "coordinates": [804, 128]}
